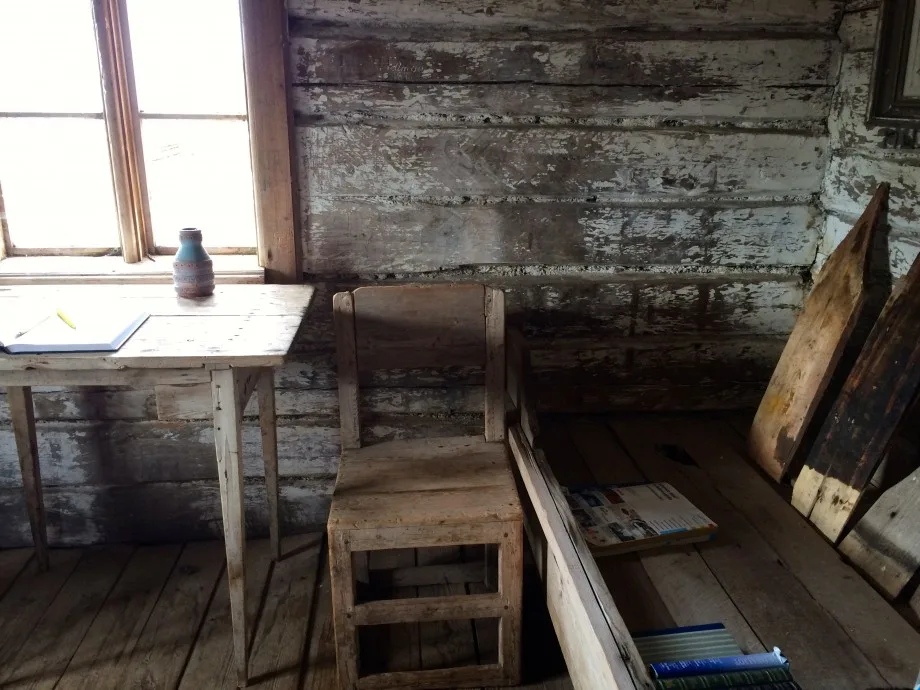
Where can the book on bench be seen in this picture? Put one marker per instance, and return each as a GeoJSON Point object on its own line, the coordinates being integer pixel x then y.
{"type": "Point", "coordinates": [83, 330]}
{"type": "Point", "coordinates": [619, 518]}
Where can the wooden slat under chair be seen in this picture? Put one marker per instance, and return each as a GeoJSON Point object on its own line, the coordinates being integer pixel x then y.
{"type": "Point", "coordinates": [435, 492]}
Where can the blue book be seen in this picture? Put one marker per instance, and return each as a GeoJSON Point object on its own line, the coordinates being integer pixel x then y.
{"type": "Point", "coordinates": [724, 664]}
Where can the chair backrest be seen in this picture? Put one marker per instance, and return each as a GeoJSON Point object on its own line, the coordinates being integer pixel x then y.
{"type": "Point", "coordinates": [419, 326]}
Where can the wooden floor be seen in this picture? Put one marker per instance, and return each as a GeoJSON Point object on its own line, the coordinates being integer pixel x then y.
{"type": "Point", "coordinates": [769, 576]}
{"type": "Point", "coordinates": [158, 617]}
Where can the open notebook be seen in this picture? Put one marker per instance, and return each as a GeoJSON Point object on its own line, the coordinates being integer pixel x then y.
{"type": "Point", "coordinates": [104, 330]}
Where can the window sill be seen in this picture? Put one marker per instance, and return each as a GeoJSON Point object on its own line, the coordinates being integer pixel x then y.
{"type": "Point", "coordinates": [51, 270]}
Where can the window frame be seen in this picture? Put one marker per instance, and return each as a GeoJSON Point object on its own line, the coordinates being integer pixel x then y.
{"type": "Point", "coordinates": [266, 66]}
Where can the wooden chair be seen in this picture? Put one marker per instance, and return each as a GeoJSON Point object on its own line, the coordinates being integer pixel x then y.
{"type": "Point", "coordinates": [428, 492]}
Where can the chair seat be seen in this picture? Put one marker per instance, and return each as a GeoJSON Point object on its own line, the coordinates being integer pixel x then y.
{"type": "Point", "coordinates": [432, 481]}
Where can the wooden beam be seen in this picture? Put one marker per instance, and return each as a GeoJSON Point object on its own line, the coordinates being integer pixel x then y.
{"type": "Point", "coordinates": [265, 57]}
{"type": "Point", "coordinates": [812, 356]}
{"type": "Point", "coordinates": [876, 396]}
{"type": "Point", "coordinates": [598, 649]}
{"type": "Point", "coordinates": [23, 418]}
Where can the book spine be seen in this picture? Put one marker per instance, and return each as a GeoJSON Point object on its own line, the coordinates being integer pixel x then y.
{"type": "Point", "coordinates": [785, 685]}
{"type": "Point", "coordinates": [725, 680]}
{"type": "Point", "coordinates": [695, 667]}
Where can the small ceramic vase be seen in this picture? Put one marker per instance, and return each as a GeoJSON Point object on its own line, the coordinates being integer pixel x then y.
{"type": "Point", "coordinates": [193, 271]}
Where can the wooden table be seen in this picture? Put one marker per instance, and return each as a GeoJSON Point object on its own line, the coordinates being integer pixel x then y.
{"type": "Point", "coordinates": [231, 340]}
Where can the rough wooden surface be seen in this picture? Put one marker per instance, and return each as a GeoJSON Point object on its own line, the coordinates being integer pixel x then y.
{"type": "Point", "coordinates": [812, 357]}
{"type": "Point", "coordinates": [857, 162]}
{"type": "Point", "coordinates": [885, 543]}
{"type": "Point", "coordinates": [772, 599]}
{"type": "Point", "coordinates": [882, 385]}
{"type": "Point", "coordinates": [713, 248]}
{"type": "Point", "coordinates": [810, 15]}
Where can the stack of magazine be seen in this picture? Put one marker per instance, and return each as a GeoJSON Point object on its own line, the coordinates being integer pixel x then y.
{"type": "Point", "coordinates": [707, 656]}
{"type": "Point", "coordinates": [618, 518]}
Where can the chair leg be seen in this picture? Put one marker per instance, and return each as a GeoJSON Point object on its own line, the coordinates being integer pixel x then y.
{"type": "Point", "coordinates": [343, 604]}
{"type": "Point", "coordinates": [510, 588]}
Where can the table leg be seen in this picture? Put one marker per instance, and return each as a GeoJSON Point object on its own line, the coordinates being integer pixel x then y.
{"type": "Point", "coordinates": [228, 442]}
{"type": "Point", "coordinates": [267, 421]}
{"type": "Point", "coordinates": [23, 419]}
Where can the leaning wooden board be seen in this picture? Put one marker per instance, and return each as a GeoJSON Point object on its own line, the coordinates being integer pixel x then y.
{"type": "Point", "coordinates": [877, 394]}
{"type": "Point", "coordinates": [812, 355]}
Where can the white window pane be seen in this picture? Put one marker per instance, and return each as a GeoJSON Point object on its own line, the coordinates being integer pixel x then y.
{"type": "Point", "coordinates": [188, 56]}
{"type": "Point", "coordinates": [199, 175]}
{"type": "Point", "coordinates": [48, 59]}
{"type": "Point", "coordinates": [57, 183]}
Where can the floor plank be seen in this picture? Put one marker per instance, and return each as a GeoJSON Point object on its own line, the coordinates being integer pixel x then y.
{"type": "Point", "coordinates": [44, 657]}
{"type": "Point", "coordinates": [681, 582]}
{"type": "Point", "coordinates": [117, 627]}
{"type": "Point", "coordinates": [211, 664]}
{"type": "Point", "coordinates": [889, 641]}
{"type": "Point", "coordinates": [159, 657]}
{"type": "Point", "coordinates": [27, 599]}
{"type": "Point", "coordinates": [12, 562]}
{"type": "Point", "coordinates": [319, 663]}
{"type": "Point", "coordinates": [281, 634]}
{"type": "Point", "coordinates": [776, 605]}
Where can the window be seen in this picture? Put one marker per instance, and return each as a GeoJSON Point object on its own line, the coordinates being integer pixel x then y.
{"type": "Point", "coordinates": [123, 121]}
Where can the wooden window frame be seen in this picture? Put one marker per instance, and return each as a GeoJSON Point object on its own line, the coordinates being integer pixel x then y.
{"type": "Point", "coordinates": [271, 128]}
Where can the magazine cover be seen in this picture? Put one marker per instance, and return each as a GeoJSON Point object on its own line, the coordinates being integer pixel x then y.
{"type": "Point", "coordinates": [618, 518]}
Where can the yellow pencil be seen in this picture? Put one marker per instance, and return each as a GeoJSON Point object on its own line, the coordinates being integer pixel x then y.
{"type": "Point", "coordinates": [65, 319]}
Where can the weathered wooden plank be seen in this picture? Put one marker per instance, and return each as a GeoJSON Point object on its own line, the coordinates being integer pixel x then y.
{"type": "Point", "coordinates": [679, 580]}
{"type": "Point", "coordinates": [850, 181]}
{"type": "Point", "coordinates": [211, 661]}
{"type": "Point", "coordinates": [663, 62]}
{"type": "Point", "coordinates": [159, 512]}
{"type": "Point", "coordinates": [27, 600]}
{"type": "Point", "coordinates": [648, 307]}
{"type": "Point", "coordinates": [617, 397]}
{"type": "Point", "coordinates": [885, 543]}
{"type": "Point", "coordinates": [617, 106]}
{"type": "Point", "coordinates": [875, 398]}
{"type": "Point", "coordinates": [772, 600]}
{"type": "Point", "coordinates": [12, 562]}
{"type": "Point", "coordinates": [319, 660]}
{"type": "Point", "coordinates": [438, 395]}
{"type": "Point", "coordinates": [791, 15]}
{"type": "Point", "coordinates": [124, 453]}
{"type": "Point", "coordinates": [347, 236]}
{"type": "Point", "coordinates": [48, 649]}
{"type": "Point", "coordinates": [116, 629]}
{"type": "Point", "coordinates": [847, 122]}
{"type": "Point", "coordinates": [903, 245]}
{"type": "Point", "coordinates": [598, 649]}
{"type": "Point", "coordinates": [655, 358]}
{"type": "Point", "coordinates": [812, 364]}
{"type": "Point", "coordinates": [886, 639]}
{"type": "Point", "coordinates": [611, 165]}
{"type": "Point", "coordinates": [281, 637]}
{"type": "Point", "coordinates": [857, 30]}
{"type": "Point", "coordinates": [159, 657]}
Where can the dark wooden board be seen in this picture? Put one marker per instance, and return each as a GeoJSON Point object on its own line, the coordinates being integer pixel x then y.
{"type": "Point", "coordinates": [876, 396]}
{"type": "Point", "coordinates": [813, 354]}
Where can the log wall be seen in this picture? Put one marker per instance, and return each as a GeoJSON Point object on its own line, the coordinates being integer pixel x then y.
{"type": "Point", "coordinates": [640, 176]}
{"type": "Point", "coordinates": [856, 161]}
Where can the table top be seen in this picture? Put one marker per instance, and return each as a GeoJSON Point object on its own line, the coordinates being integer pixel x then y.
{"type": "Point", "coordinates": [239, 325]}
